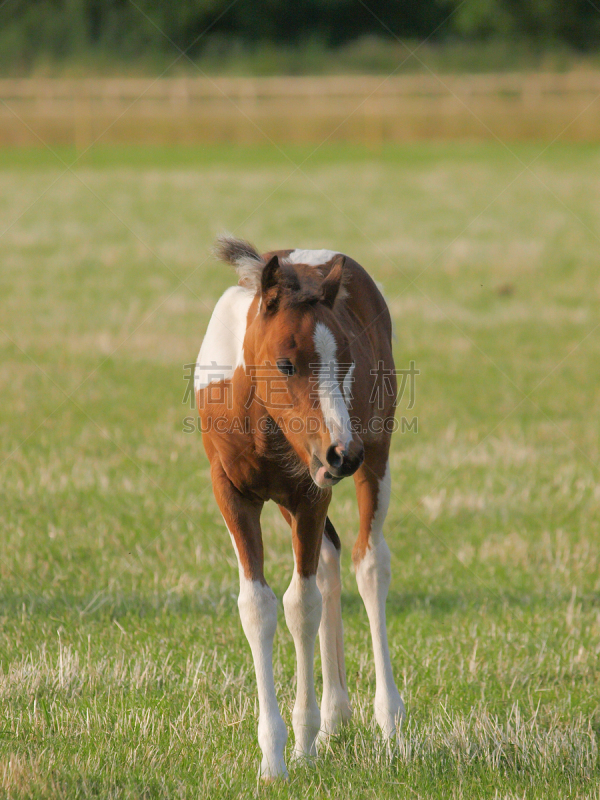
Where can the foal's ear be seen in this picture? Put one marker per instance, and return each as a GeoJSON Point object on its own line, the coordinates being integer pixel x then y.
{"type": "Point", "coordinates": [270, 284]}
{"type": "Point", "coordinates": [331, 285]}
{"type": "Point", "coordinates": [269, 277]}
{"type": "Point", "coordinates": [275, 279]}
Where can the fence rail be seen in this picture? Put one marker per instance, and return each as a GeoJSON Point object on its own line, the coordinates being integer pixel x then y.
{"type": "Point", "coordinates": [370, 109]}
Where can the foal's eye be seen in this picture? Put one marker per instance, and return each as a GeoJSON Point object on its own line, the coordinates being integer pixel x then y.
{"type": "Point", "coordinates": [285, 366]}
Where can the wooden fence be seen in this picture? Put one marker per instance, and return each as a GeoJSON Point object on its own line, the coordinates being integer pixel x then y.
{"type": "Point", "coordinates": [366, 109]}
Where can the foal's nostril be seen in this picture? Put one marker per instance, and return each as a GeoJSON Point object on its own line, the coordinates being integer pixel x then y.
{"type": "Point", "coordinates": [334, 458]}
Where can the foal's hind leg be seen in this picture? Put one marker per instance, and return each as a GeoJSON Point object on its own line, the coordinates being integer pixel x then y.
{"type": "Point", "coordinates": [371, 557]}
{"type": "Point", "coordinates": [302, 605]}
{"type": "Point", "coordinates": [335, 706]}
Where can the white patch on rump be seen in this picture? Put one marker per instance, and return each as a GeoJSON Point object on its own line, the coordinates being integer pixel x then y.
{"type": "Point", "coordinates": [333, 407]}
{"type": "Point", "coordinates": [222, 349]}
{"type": "Point", "coordinates": [312, 258]}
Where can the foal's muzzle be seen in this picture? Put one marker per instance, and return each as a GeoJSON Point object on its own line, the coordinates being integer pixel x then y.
{"type": "Point", "coordinates": [340, 463]}
{"type": "Point", "coordinates": [343, 461]}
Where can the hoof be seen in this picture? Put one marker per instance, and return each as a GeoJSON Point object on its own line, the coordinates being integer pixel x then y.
{"type": "Point", "coordinates": [269, 774]}
{"type": "Point", "coordinates": [390, 716]}
{"type": "Point", "coordinates": [332, 722]}
{"type": "Point", "coordinates": [299, 758]}
{"type": "Point", "coordinates": [272, 736]}
{"type": "Point", "coordinates": [306, 727]}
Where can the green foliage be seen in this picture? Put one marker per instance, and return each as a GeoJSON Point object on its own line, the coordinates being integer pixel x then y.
{"type": "Point", "coordinates": [151, 33]}
{"type": "Point", "coordinates": [543, 21]}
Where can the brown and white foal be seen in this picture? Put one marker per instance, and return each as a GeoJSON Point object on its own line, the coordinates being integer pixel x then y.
{"type": "Point", "coordinates": [290, 390]}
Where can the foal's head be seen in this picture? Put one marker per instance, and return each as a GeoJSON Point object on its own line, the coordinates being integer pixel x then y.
{"type": "Point", "coordinates": [304, 354]}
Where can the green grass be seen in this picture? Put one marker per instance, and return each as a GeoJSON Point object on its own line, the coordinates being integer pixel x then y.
{"type": "Point", "coordinates": [124, 671]}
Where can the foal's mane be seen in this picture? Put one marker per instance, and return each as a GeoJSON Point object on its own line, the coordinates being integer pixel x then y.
{"type": "Point", "coordinates": [301, 282]}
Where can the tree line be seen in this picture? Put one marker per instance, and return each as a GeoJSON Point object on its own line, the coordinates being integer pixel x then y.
{"type": "Point", "coordinates": [130, 29]}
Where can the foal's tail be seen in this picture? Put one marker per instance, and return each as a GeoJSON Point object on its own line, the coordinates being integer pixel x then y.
{"type": "Point", "coordinates": [231, 250]}
{"type": "Point", "coordinates": [243, 256]}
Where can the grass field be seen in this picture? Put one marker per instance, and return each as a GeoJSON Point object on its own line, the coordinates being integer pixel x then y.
{"type": "Point", "coordinates": [124, 669]}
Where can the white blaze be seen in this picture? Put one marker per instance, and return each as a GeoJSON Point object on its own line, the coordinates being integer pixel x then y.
{"type": "Point", "coordinates": [332, 402]}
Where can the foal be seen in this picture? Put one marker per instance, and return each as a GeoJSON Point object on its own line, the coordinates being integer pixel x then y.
{"type": "Point", "coordinates": [300, 346]}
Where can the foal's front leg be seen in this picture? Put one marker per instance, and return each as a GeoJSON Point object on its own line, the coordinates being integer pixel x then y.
{"type": "Point", "coordinates": [371, 557]}
{"type": "Point", "coordinates": [302, 605]}
{"type": "Point", "coordinates": [258, 613]}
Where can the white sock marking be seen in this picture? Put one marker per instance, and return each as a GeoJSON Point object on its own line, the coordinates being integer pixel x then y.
{"type": "Point", "coordinates": [373, 577]}
{"type": "Point", "coordinates": [335, 705]}
{"type": "Point", "coordinates": [302, 605]}
{"type": "Point", "coordinates": [258, 612]}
